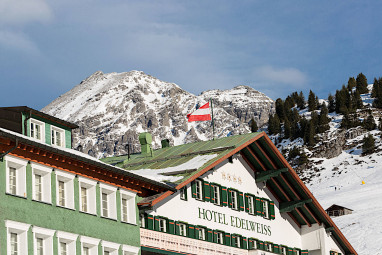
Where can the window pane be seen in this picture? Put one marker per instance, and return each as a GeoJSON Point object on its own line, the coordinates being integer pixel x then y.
{"type": "Point", "coordinates": [85, 251]}
{"type": "Point", "coordinates": [53, 137]}
{"type": "Point", "coordinates": [61, 193]}
{"type": "Point", "coordinates": [63, 248]}
{"type": "Point", "coordinates": [84, 199]}
{"type": "Point", "coordinates": [14, 248]}
{"type": "Point", "coordinates": [38, 187]}
{"type": "Point", "coordinates": [38, 132]}
{"type": "Point", "coordinates": [12, 180]}
{"type": "Point", "coordinates": [106, 253]}
{"type": "Point", "coordinates": [58, 138]}
{"type": "Point", "coordinates": [104, 205]}
{"type": "Point", "coordinates": [124, 209]}
{"type": "Point", "coordinates": [40, 246]}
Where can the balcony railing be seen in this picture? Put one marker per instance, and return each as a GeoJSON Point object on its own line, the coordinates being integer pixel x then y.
{"type": "Point", "coordinates": [181, 244]}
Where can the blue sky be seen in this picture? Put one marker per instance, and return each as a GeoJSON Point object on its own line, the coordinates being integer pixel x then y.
{"type": "Point", "coordinates": [48, 47]}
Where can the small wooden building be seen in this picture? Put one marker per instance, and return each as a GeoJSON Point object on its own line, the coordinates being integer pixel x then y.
{"type": "Point", "coordinates": [337, 210]}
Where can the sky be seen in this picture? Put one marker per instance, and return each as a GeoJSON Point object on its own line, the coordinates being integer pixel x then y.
{"type": "Point", "coordinates": [276, 47]}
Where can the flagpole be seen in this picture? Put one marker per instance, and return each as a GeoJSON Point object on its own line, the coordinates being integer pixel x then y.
{"type": "Point", "coordinates": [212, 119]}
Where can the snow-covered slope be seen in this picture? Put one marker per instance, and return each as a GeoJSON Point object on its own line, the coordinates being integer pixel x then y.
{"type": "Point", "coordinates": [112, 109]}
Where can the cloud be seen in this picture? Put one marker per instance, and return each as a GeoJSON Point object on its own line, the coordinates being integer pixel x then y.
{"type": "Point", "coordinates": [21, 12]}
{"type": "Point", "coordinates": [285, 76]}
{"type": "Point", "coordinates": [17, 41]}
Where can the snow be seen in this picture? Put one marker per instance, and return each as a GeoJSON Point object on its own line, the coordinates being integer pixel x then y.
{"type": "Point", "coordinates": [156, 174]}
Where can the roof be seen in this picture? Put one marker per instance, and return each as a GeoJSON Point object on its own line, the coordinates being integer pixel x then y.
{"type": "Point", "coordinates": [260, 154]}
{"type": "Point", "coordinates": [334, 207]}
{"type": "Point", "coordinates": [41, 114]}
{"type": "Point", "coordinates": [21, 139]}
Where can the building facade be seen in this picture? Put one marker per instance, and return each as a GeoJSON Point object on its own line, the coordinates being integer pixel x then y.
{"type": "Point", "coordinates": [235, 195]}
{"type": "Point", "coordinates": [55, 200]}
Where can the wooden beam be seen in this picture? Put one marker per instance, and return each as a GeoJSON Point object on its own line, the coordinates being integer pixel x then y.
{"type": "Point", "coordinates": [266, 175]}
{"type": "Point", "coordinates": [292, 205]}
{"type": "Point", "coordinates": [256, 158]}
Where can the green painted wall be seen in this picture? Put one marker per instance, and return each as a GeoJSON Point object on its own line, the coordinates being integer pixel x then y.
{"type": "Point", "coordinates": [48, 124]}
{"type": "Point", "coordinates": [49, 216]}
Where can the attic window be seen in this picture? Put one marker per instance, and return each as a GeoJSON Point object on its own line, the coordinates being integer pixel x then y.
{"type": "Point", "coordinates": [37, 129]}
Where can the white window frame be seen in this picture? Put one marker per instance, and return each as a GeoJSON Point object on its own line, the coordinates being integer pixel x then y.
{"type": "Point", "coordinates": [219, 237]}
{"type": "Point", "coordinates": [61, 132]}
{"type": "Point", "coordinates": [251, 205]}
{"type": "Point", "coordinates": [162, 225]}
{"type": "Point", "coordinates": [216, 191]}
{"type": "Point", "coordinates": [111, 193]}
{"type": "Point", "coordinates": [236, 241]}
{"type": "Point", "coordinates": [183, 193]}
{"type": "Point", "coordinates": [46, 180]}
{"type": "Point", "coordinates": [268, 247]}
{"type": "Point", "coordinates": [21, 183]}
{"type": "Point", "coordinates": [111, 247]}
{"type": "Point", "coordinates": [68, 179]}
{"type": "Point", "coordinates": [90, 243]}
{"type": "Point", "coordinates": [91, 191]}
{"type": "Point", "coordinates": [202, 233]}
{"type": "Point", "coordinates": [47, 236]}
{"type": "Point", "coordinates": [284, 250]}
{"type": "Point", "coordinates": [265, 209]}
{"type": "Point", "coordinates": [130, 250]}
{"type": "Point", "coordinates": [21, 229]}
{"type": "Point", "coordinates": [131, 210]}
{"type": "Point", "coordinates": [199, 189]}
{"type": "Point", "coordinates": [235, 202]}
{"type": "Point", "coordinates": [70, 240]}
{"type": "Point", "coordinates": [42, 125]}
{"type": "Point", "coordinates": [182, 229]}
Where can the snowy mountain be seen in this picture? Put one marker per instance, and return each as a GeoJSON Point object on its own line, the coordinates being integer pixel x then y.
{"type": "Point", "coordinates": [112, 109]}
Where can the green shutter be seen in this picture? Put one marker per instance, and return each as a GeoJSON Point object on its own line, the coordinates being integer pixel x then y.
{"type": "Point", "coordinates": [206, 191]}
{"type": "Point", "coordinates": [156, 223]}
{"type": "Point", "coordinates": [193, 189]}
{"type": "Point", "coordinates": [304, 252]}
{"type": "Point", "coordinates": [150, 222]}
{"type": "Point", "coordinates": [215, 236]}
{"type": "Point", "coordinates": [260, 245]}
{"type": "Point", "coordinates": [241, 200]}
{"type": "Point", "coordinates": [210, 236]}
{"type": "Point", "coordinates": [272, 210]}
{"type": "Point", "coordinates": [276, 248]}
{"type": "Point", "coordinates": [259, 206]}
{"type": "Point", "coordinates": [191, 231]}
{"type": "Point", "coordinates": [250, 244]}
{"type": "Point", "coordinates": [246, 202]}
{"type": "Point", "coordinates": [212, 193]}
{"type": "Point", "coordinates": [290, 251]}
{"type": "Point", "coordinates": [177, 228]}
{"type": "Point", "coordinates": [227, 239]}
{"type": "Point", "coordinates": [244, 242]}
{"type": "Point", "coordinates": [197, 232]}
{"type": "Point", "coordinates": [224, 196]}
{"type": "Point", "coordinates": [229, 198]}
{"type": "Point", "coordinates": [170, 227]}
{"type": "Point", "coordinates": [184, 192]}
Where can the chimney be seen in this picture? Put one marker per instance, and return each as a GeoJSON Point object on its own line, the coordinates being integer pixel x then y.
{"type": "Point", "coordinates": [145, 140]}
{"type": "Point", "coordinates": [165, 143]}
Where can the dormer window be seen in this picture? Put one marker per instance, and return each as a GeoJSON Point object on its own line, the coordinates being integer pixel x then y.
{"type": "Point", "coordinates": [37, 129]}
{"type": "Point", "coordinates": [57, 137]}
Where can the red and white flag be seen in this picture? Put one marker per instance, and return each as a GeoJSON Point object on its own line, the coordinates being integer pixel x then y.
{"type": "Point", "coordinates": [201, 114]}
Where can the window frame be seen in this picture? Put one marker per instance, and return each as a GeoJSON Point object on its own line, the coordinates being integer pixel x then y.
{"type": "Point", "coordinates": [251, 205]}
{"type": "Point", "coordinates": [42, 125]}
{"type": "Point", "coordinates": [130, 250]}
{"type": "Point", "coordinates": [21, 230]}
{"type": "Point", "coordinates": [69, 239]}
{"type": "Point", "coordinates": [47, 236]}
{"type": "Point", "coordinates": [235, 202]}
{"type": "Point", "coordinates": [131, 206]}
{"type": "Point", "coordinates": [216, 189]}
{"type": "Point", "coordinates": [110, 247]}
{"type": "Point", "coordinates": [219, 234]}
{"type": "Point", "coordinates": [61, 132]}
{"type": "Point", "coordinates": [236, 241]}
{"type": "Point", "coordinates": [90, 243]}
{"type": "Point", "coordinates": [162, 221]}
{"type": "Point", "coordinates": [91, 197]}
{"type": "Point", "coordinates": [265, 204]}
{"type": "Point", "coordinates": [284, 250]}
{"type": "Point", "coordinates": [183, 193]}
{"type": "Point", "coordinates": [46, 182]}
{"type": "Point", "coordinates": [202, 230]}
{"type": "Point", "coordinates": [20, 166]}
{"type": "Point", "coordinates": [68, 180]}
{"type": "Point", "coordinates": [111, 194]}
{"type": "Point", "coordinates": [199, 189]}
{"type": "Point", "coordinates": [268, 247]}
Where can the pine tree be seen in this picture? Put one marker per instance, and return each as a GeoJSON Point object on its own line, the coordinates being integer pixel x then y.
{"type": "Point", "coordinates": [280, 110]}
{"type": "Point", "coordinates": [332, 105]}
{"type": "Point", "coordinates": [323, 120]}
{"type": "Point", "coordinates": [351, 83]}
{"type": "Point", "coordinates": [358, 100]}
{"type": "Point", "coordinates": [309, 134]}
{"type": "Point", "coordinates": [274, 125]}
{"type": "Point", "coordinates": [378, 97]}
{"type": "Point", "coordinates": [300, 101]}
{"type": "Point", "coordinates": [312, 103]}
{"type": "Point", "coordinates": [380, 124]}
{"type": "Point", "coordinates": [374, 90]}
{"type": "Point", "coordinates": [368, 144]}
{"type": "Point", "coordinates": [369, 122]}
{"type": "Point", "coordinates": [287, 129]}
{"type": "Point", "coordinates": [361, 82]}
{"type": "Point", "coordinates": [254, 127]}
{"type": "Point", "coordinates": [303, 159]}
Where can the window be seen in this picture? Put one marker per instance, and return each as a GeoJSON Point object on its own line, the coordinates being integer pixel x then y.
{"type": "Point", "coordinates": [182, 229]}
{"type": "Point", "coordinates": [37, 129]}
{"type": "Point", "coordinates": [183, 193]}
{"type": "Point", "coordinates": [130, 250]}
{"type": "Point", "coordinates": [109, 248]}
{"type": "Point", "coordinates": [216, 195]}
{"type": "Point", "coordinates": [43, 240]}
{"type": "Point", "coordinates": [41, 183]}
{"type": "Point", "coordinates": [162, 225]}
{"type": "Point", "coordinates": [66, 243]}
{"type": "Point", "coordinates": [128, 206]}
{"type": "Point", "coordinates": [65, 189]}
{"type": "Point", "coordinates": [202, 233]}
{"type": "Point", "coordinates": [219, 237]}
{"type": "Point", "coordinates": [199, 189]}
{"type": "Point", "coordinates": [268, 246]}
{"type": "Point", "coordinates": [16, 176]}
{"type": "Point", "coordinates": [17, 237]}
{"type": "Point", "coordinates": [89, 245]}
{"type": "Point", "coordinates": [87, 191]}
{"type": "Point", "coordinates": [58, 136]}
{"type": "Point", "coordinates": [142, 220]}
{"type": "Point", "coordinates": [236, 241]}
{"type": "Point", "coordinates": [253, 244]}
{"type": "Point", "coordinates": [283, 250]}
{"type": "Point", "coordinates": [234, 199]}
{"type": "Point", "coordinates": [251, 205]}
{"type": "Point", "coordinates": [265, 209]}
{"type": "Point", "coordinates": [108, 201]}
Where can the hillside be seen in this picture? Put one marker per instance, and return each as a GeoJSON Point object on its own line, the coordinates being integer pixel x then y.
{"type": "Point", "coordinates": [112, 109]}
